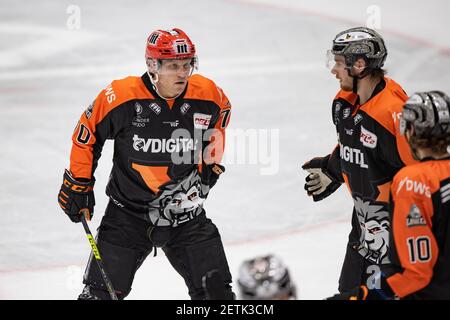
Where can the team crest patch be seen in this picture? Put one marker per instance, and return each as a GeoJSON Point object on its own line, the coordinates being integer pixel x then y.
{"type": "Point", "coordinates": [138, 121]}
{"type": "Point", "coordinates": [201, 121]}
{"type": "Point", "coordinates": [138, 108]}
{"type": "Point", "coordinates": [337, 109]}
{"type": "Point", "coordinates": [415, 218]}
{"type": "Point", "coordinates": [346, 113]}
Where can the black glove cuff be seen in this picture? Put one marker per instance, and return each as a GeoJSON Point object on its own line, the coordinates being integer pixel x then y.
{"type": "Point", "coordinates": [211, 172]}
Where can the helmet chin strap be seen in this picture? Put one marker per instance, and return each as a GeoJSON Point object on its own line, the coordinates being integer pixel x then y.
{"type": "Point", "coordinates": [154, 79]}
{"type": "Point", "coordinates": [355, 78]}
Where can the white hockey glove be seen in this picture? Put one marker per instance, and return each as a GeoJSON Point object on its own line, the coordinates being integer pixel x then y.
{"type": "Point", "coordinates": [319, 183]}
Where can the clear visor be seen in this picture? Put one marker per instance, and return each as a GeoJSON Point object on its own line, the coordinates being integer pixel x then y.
{"type": "Point", "coordinates": [329, 60]}
{"type": "Point", "coordinates": [174, 66]}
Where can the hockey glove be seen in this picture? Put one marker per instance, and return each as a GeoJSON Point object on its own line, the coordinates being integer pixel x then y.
{"type": "Point", "coordinates": [76, 196]}
{"type": "Point", "coordinates": [319, 183]}
{"type": "Point", "coordinates": [359, 293]}
{"type": "Point", "coordinates": [210, 173]}
{"type": "Point", "coordinates": [364, 293]}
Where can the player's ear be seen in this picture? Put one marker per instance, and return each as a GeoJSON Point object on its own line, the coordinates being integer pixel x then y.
{"type": "Point", "coordinates": [360, 65]}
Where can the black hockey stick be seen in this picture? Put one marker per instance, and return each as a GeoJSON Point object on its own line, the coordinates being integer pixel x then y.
{"type": "Point", "coordinates": [97, 256]}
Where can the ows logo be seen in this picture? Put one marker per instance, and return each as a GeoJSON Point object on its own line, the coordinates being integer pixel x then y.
{"type": "Point", "coordinates": [414, 186]}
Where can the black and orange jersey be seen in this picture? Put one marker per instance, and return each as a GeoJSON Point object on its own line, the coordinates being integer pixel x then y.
{"type": "Point", "coordinates": [370, 152]}
{"type": "Point", "coordinates": [159, 146]}
{"type": "Point", "coordinates": [421, 230]}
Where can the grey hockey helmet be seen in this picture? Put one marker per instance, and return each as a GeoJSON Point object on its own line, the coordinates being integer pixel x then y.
{"type": "Point", "coordinates": [428, 113]}
{"type": "Point", "coordinates": [265, 278]}
{"type": "Point", "coordinates": [360, 42]}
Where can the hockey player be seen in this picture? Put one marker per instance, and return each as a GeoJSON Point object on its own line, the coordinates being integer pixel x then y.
{"type": "Point", "coordinates": [168, 128]}
{"type": "Point", "coordinates": [265, 278]}
{"type": "Point", "coordinates": [420, 208]}
{"type": "Point", "coordinates": [370, 150]}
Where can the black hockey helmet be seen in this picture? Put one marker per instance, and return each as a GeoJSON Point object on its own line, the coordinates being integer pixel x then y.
{"type": "Point", "coordinates": [265, 278]}
{"type": "Point", "coordinates": [360, 42]}
{"type": "Point", "coordinates": [428, 113]}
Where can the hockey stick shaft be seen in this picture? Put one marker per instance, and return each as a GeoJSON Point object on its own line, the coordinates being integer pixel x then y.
{"type": "Point", "coordinates": [98, 258]}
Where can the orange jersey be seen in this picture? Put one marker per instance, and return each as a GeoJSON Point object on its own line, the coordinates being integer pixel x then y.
{"type": "Point", "coordinates": [159, 146]}
{"type": "Point", "coordinates": [370, 152]}
{"type": "Point", "coordinates": [421, 230]}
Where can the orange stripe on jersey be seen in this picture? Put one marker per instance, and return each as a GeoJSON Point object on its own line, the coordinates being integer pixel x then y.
{"type": "Point", "coordinates": [154, 177]}
{"type": "Point", "coordinates": [384, 190]}
{"type": "Point", "coordinates": [347, 183]}
{"type": "Point", "coordinates": [114, 95]}
{"type": "Point", "coordinates": [170, 103]}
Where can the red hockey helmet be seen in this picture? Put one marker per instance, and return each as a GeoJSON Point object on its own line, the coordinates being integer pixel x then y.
{"type": "Point", "coordinates": [169, 44]}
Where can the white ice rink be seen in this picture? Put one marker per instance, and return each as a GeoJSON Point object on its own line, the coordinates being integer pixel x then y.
{"type": "Point", "coordinates": [267, 55]}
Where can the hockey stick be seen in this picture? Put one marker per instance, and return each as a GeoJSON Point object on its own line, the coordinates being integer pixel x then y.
{"type": "Point", "coordinates": [97, 256]}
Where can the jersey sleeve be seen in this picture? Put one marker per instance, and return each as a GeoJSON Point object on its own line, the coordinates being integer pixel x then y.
{"type": "Point", "coordinates": [334, 165]}
{"type": "Point", "coordinates": [216, 136]}
{"type": "Point", "coordinates": [414, 243]}
{"type": "Point", "coordinates": [394, 146]}
{"type": "Point", "coordinates": [391, 146]}
{"type": "Point", "coordinates": [102, 120]}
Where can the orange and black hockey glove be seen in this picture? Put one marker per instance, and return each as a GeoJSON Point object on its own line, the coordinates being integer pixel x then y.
{"type": "Point", "coordinates": [358, 293]}
{"type": "Point", "coordinates": [76, 196]}
{"type": "Point", "coordinates": [363, 293]}
{"type": "Point", "coordinates": [210, 173]}
{"type": "Point", "coordinates": [320, 183]}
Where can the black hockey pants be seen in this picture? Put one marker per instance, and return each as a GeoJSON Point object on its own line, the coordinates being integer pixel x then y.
{"type": "Point", "coordinates": [124, 241]}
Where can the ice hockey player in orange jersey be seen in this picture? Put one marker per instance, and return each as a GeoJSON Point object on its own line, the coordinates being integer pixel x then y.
{"type": "Point", "coordinates": [370, 149]}
{"type": "Point", "coordinates": [420, 208]}
{"type": "Point", "coordinates": [168, 128]}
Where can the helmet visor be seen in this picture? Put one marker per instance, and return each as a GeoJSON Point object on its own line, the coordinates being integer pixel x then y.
{"type": "Point", "coordinates": [329, 60]}
{"type": "Point", "coordinates": [175, 66]}
{"type": "Point", "coordinates": [332, 61]}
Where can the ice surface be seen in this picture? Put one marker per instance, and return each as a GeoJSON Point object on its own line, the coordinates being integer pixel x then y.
{"type": "Point", "coordinates": [267, 55]}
